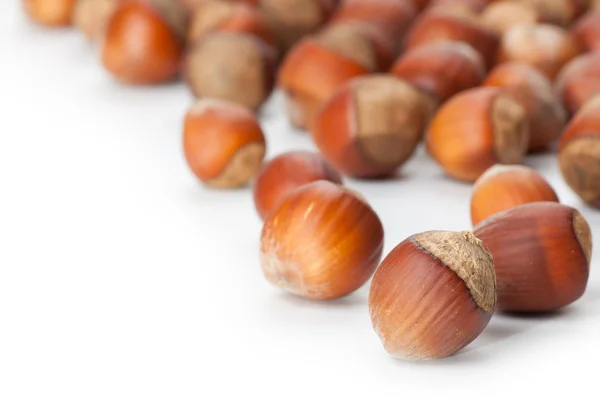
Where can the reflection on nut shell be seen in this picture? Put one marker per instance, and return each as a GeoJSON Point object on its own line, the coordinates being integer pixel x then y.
{"type": "Point", "coordinates": [477, 129]}
{"type": "Point", "coordinates": [433, 295]}
{"type": "Point", "coordinates": [223, 143]}
{"type": "Point", "coordinates": [579, 81]}
{"type": "Point", "coordinates": [231, 66]}
{"type": "Point", "coordinates": [505, 186]}
{"type": "Point", "coordinates": [217, 15]}
{"type": "Point", "coordinates": [140, 46]}
{"type": "Point", "coordinates": [587, 30]}
{"type": "Point", "coordinates": [502, 16]}
{"type": "Point", "coordinates": [547, 117]}
{"type": "Point", "coordinates": [371, 126]}
{"type": "Point", "coordinates": [546, 47]}
{"type": "Point", "coordinates": [321, 242]}
{"type": "Point", "coordinates": [441, 69]}
{"type": "Point", "coordinates": [91, 16]}
{"type": "Point", "coordinates": [310, 73]}
{"type": "Point", "coordinates": [579, 153]}
{"type": "Point", "coordinates": [465, 27]}
{"type": "Point", "coordinates": [52, 13]}
{"type": "Point", "coordinates": [286, 172]}
{"type": "Point", "coordinates": [541, 253]}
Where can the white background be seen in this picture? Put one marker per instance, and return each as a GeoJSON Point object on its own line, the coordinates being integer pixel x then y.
{"type": "Point", "coordinates": [121, 277]}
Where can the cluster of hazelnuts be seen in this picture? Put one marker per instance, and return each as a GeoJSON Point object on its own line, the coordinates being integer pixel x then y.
{"type": "Point", "coordinates": [481, 82]}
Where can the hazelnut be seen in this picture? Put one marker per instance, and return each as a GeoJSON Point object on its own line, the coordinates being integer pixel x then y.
{"type": "Point", "coordinates": [477, 129]}
{"type": "Point", "coordinates": [546, 47]}
{"type": "Point", "coordinates": [143, 41]}
{"type": "Point", "coordinates": [51, 13]}
{"type": "Point", "coordinates": [231, 66]}
{"type": "Point", "coordinates": [505, 186]}
{"type": "Point", "coordinates": [286, 172]}
{"type": "Point", "coordinates": [321, 242]}
{"type": "Point", "coordinates": [419, 4]}
{"type": "Point", "coordinates": [315, 68]}
{"type": "Point", "coordinates": [433, 295]}
{"type": "Point", "coordinates": [579, 153]}
{"type": "Point", "coordinates": [501, 16]}
{"type": "Point", "coordinates": [587, 30]}
{"type": "Point", "coordinates": [476, 6]}
{"type": "Point", "coordinates": [394, 17]}
{"type": "Point", "coordinates": [219, 15]}
{"type": "Point", "coordinates": [441, 69]}
{"type": "Point", "coordinates": [91, 16]}
{"type": "Point", "coordinates": [579, 81]}
{"type": "Point", "coordinates": [547, 117]}
{"type": "Point", "coordinates": [558, 12]}
{"type": "Point", "coordinates": [223, 143]}
{"type": "Point", "coordinates": [371, 126]}
{"type": "Point", "coordinates": [293, 19]}
{"type": "Point", "coordinates": [541, 254]}
{"type": "Point", "coordinates": [442, 26]}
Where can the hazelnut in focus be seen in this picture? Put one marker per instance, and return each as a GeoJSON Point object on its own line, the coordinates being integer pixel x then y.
{"type": "Point", "coordinates": [51, 13]}
{"type": "Point", "coordinates": [506, 186]}
{"type": "Point", "coordinates": [579, 153]}
{"type": "Point", "coordinates": [223, 143]}
{"type": "Point", "coordinates": [433, 295]}
{"type": "Point", "coordinates": [231, 66]}
{"type": "Point", "coordinates": [371, 126]}
{"type": "Point", "coordinates": [286, 172]}
{"type": "Point", "coordinates": [532, 89]}
{"type": "Point", "coordinates": [542, 255]}
{"type": "Point", "coordinates": [546, 47]}
{"type": "Point", "coordinates": [476, 129]}
{"type": "Point", "coordinates": [143, 41]}
{"type": "Point", "coordinates": [321, 242]}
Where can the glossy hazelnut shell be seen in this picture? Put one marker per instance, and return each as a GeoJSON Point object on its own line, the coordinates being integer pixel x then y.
{"type": "Point", "coordinates": [223, 143]}
{"type": "Point", "coordinates": [579, 153]}
{"type": "Point", "coordinates": [321, 242]}
{"type": "Point", "coordinates": [506, 186]}
{"type": "Point", "coordinates": [541, 253]}
{"type": "Point", "coordinates": [441, 69]}
{"type": "Point", "coordinates": [534, 91]}
{"type": "Point", "coordinates": [477, 129]}
{"type": "Point", "coordinates": [310, 74]}
{"type": "Point", "coordinates": [422, 303]}
{"type": "Point", "coordinates": [579, 81]}
{"type": "Point", "coordinates": [434, 27]}
{"type": "Point", "coordinates": [286, 172]}
{"type": "Point", "coordinates": [140, 46]}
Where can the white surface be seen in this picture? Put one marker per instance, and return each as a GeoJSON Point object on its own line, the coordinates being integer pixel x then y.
{"type": "Point", "coordinates": [122, 278]}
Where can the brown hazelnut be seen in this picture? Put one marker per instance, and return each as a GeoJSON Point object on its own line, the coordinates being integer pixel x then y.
{"type": "Point", "coordinates": [506, 186]}
{"type": "Point", "coordinates": [433, 295]}
{"type": "Point", "coordinates": [441, 69]}
{"type": "Point", "coordinates": [558, 12]}
{"type": "Point", "coordinates": [231, 66]}
{"type": "Point", "coordinates": [578, 81]}
{"type": "Point", "coordinates": [503, 15]}
{"type": "Point", "coordinates": [476, 6]}
{"type": "Point", "coordinates": [287, 172]}
{"type": "Point", "coordinates": [51, 13]}
{"type": "Point", "coordinates": [547, 117]}
{"type": "Point", "coordinates": [315, 68]}
{"type": "Point", "coordinates": [143, 41]}
{"type": "Point", "coordinates": [371, 126]}
{"type": "Point", "coordinates": [223, 143]}
{"type": "Point", "coordinates": [321, 242]}
{"type": "Point", "coordinates": [440, 26]}
{"type": "Point", "coordinates": [476, 129]}
{"type": "Point", "coordinates": [541, 253]}
{"type": "Point", "coordinates": [587, 30]}
{"type": "Point", "coordinates": [546, 47]}
{"type": "Point", "coordinates": [579, 152]}
{"type": "Point", "coordinates": [219, 15]}
{"type": "Point", "coordinates": [91, 16]}
{"type": "Point", "coordinates": [293, 19]}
